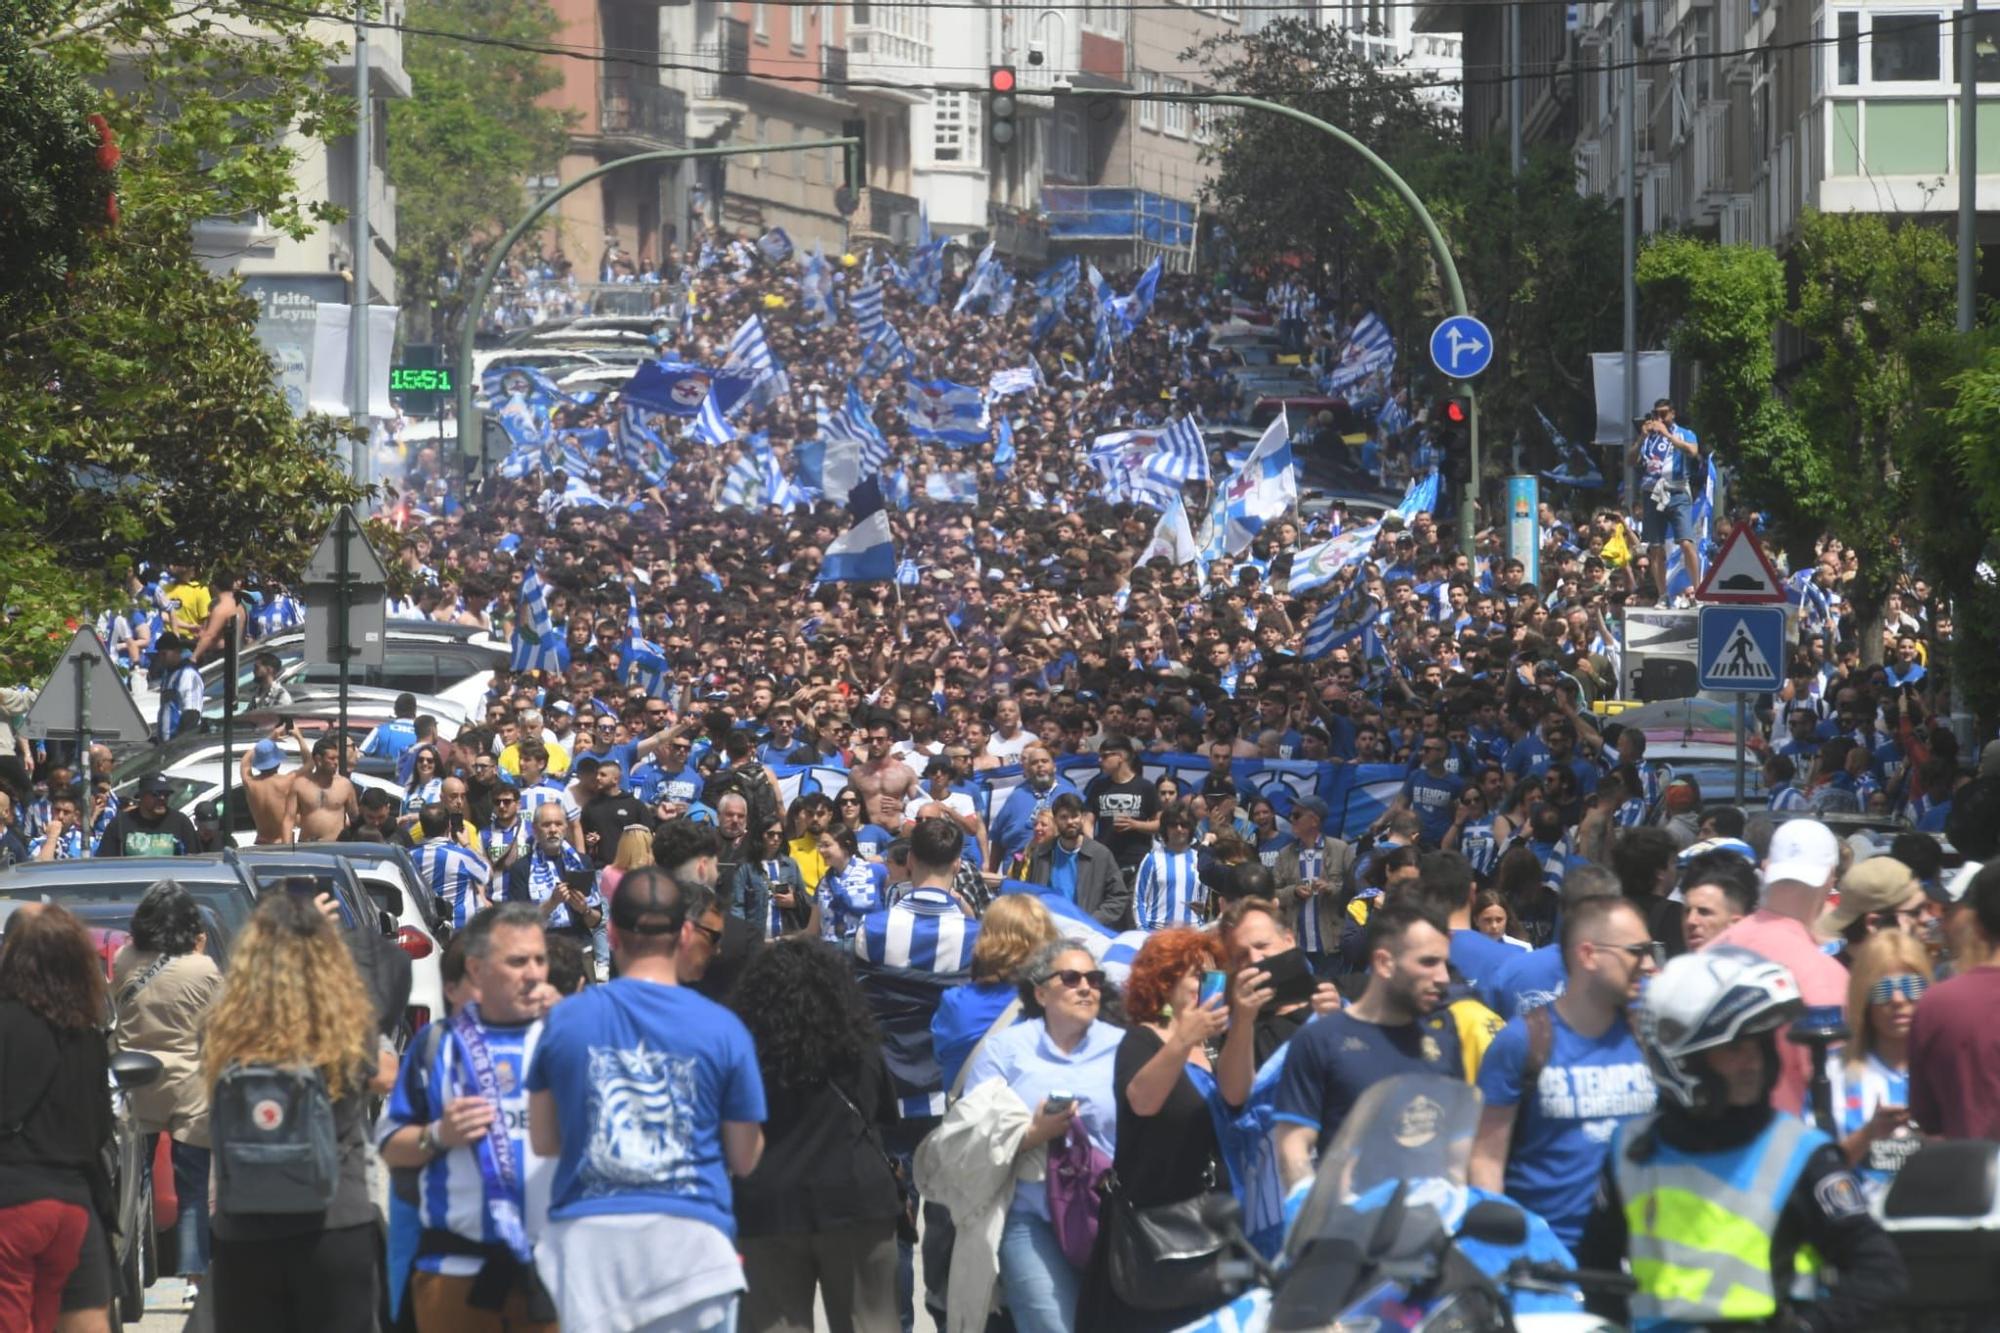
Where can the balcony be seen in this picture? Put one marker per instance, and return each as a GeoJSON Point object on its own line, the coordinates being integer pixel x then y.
{"type": "Point", "coordinates": [887, 214]}
{"type": "Point", "coordinates": [833, 70]}
{"type": "Point", "coordinates": [729, 57]}
{"type": "Point", "coordinates": [1017, 232]}
{"type": "Point", "coordinates": [636, 110]}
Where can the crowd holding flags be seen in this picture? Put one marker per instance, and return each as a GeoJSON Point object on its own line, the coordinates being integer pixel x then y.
{"type": "Point", "coordinates": [538, 644]}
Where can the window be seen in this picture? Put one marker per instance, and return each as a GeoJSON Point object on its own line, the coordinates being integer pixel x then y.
{"type": "Point", "coordinates": [951, 126]}
{"type": "Point", "coordinates": [1176, 113]}
{"type": "Point", "coordinates": [797, 13]}
{"type": "Point", "coordinates": [1847, 47]}
{"type": "Point", "coordinates": [1985, 45]}
{"type": "Point", "coordinates": [1204, 122]}
{"type": "Point", "coordinates": [1905, 49]}
{"type": "Point", "coordinates": [1068, 159]}
{"type": "Point", "coordinates": [760, 22]}
{"type": "Point", "coordinates": [1149, 112]}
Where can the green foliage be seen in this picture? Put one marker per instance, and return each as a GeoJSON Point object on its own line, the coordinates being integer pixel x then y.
{"type": "Point", "coordinates": [52, 186]}
{"type": "Point", "coordinates": [459, 147]}
{"type": "Point", "coordinates": [1539, 262]}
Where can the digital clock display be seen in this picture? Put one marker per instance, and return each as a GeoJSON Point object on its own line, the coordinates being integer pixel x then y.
{"type": "Point", "coordinates": [419, 379]}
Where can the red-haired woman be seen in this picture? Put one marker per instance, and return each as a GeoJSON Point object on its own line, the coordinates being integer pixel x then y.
{"type": "Point", "coordinates": [1166, 1149]}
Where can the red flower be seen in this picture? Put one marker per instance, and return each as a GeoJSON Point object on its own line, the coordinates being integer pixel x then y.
{"type": "Point", "coordinates": [107, 144]}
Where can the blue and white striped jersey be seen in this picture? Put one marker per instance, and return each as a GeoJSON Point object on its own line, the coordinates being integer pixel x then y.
{"type": "Point", "coordinates": [452, 1191]}
{"type": "Point", "coordinates": [1167, 889]}
{"type": "Point", "coordinates": [457, 877]}
{"type": "Point", "coordinates": [925, 931]}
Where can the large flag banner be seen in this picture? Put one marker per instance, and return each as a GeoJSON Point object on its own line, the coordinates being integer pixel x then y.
{"type": "Point", "coordinates": [1262, 490]}
{"type": "Point", "coordinates": [1182, 455]}
{"type": "Point", "coordinates": [945, 412]}
{"type": "Point", "coordinates": [1316, 566]}
{"type": "Point", "coordinates": [1173, 538]}
{"type": "Point", "coordinates": [866, 552]}
{"type": "Point", "coordinates": [678, 388]}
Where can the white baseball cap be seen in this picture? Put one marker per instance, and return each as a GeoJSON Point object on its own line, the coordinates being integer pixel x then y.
{"type": "Point", "coordinates": [1803, 851]}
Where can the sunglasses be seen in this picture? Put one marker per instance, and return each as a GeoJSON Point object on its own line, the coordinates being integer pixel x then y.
{"type": "Point", "coordinates": [1650, 949]}
{"type": "Point", "coordinates": [1072, 978]}
{"type": "Point", "coordinates": [1909, 985]}
{"type": "Point", "coordinates": [713, 935]}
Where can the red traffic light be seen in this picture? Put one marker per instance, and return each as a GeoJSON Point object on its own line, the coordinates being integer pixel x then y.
{"type": "Point", "coordinates": [1456, 411]}
{"type": "Point", "coordinates": [1001, 79]}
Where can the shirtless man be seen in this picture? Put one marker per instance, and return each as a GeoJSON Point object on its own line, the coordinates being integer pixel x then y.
{"type": "Point", "coordinates": [323, 802]}
{"type": "Point", "coordinates": [269, 791]}
{"type": "Point", "coordinates": [885, 782]}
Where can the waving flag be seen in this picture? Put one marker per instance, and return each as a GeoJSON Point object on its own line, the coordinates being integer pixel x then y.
{"type": "Point", "coordinates": [1260, 491]}
{"type": "Point", "coordinates": [1182, 455]}
{"type": "Point", "coordinates": [678, 388]}
{"type": "Point", "coordinates": [1370, 348]}
{"type": "Point", "coordinates": [1316, 566]}
{"type": "Point", "coordinates": [743, 484]}
{"type": "Point", "coordinates": [1129, 310]}
{"type": "Point", "coordinates": [1015, 379]}
{"type": "Point", "coordinates": [1120, 460]}
{"type": "Point", "coordinates": [640, 446]}
{"type": "Point", "coordinates": [850, 431]}
{"type": "Point", "coordinates": [886, 351]}
{"type": "Point", "coordinates": [1702, 515]}
{"type": "Point", "coordinates": [1420, 497]}
{"type": "Point", "coordinates": [775, 245]}
{"type": "Point", "coordinates": [955, 487]}
{"type": "Point", "coordinates": [538, 644]}
{"type": "Point", "coordinates": [982, 284]}
{"type": "Point", "coordinates": [750, 350]}
{"type": "Point", "coordinates": [1393, 418]}
{"type": "Point", "coordinates": [945, 412]}
{"type": "Point", "coordinates": [1173, 539]}
{"type": "Point", "coordinates": [1003, 447]}
{"type": "Point", "coordinates": [642, 660]}
{"type": "Point", "coordinates": [866, 552]}
{"type": "Point", "coordinates": [816, 288]}
{"type": "Point", "coordinates": [1058, 280]}
{"type": "Point", "coordinates": [866, 307]}
{"type": "Point", "coordinates": [711, 426]}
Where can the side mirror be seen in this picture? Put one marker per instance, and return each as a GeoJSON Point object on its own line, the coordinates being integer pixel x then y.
{"type": "Point", "coordinates": [1495, 1223]}
{"type": "Point", "coordinates": [135, 1069]}
{"type": "Point", "coordinates": [387, 924]}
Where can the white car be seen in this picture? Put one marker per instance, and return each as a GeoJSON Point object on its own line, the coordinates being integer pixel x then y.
{"type": "Point", "coordinates": [197, 782]}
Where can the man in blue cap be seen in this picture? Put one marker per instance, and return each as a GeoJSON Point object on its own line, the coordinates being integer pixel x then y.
{"type": "Point", "coordinates": [269, 791]}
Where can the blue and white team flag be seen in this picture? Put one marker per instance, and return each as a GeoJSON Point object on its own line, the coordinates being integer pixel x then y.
{"type": "Point", "coordinates": [642, 660]}
{"type": "Point", "coordinates": [1263, 490]}
{"type": "Point", "coordinates": [866, 307]}
{"type": "Point", "coordinates": [743, 484]}
{"type": "Point", "coordinates": [952, 486]}
{"type": "Point", "coordinates": [945, 412]}
{"type": "Point", "coordinates": [1316, 566]}
{"type": "Point", "coordinates": [1370, 348]}
{"type": "Point", "coordinates": [851, 430]}
{"type": "Point", "coordinates": [866, 552]}
{"type": "Point", "coordinates": [538, 644]}
{"type": "Point", "coordinates": [1393, 418]}
{"type": "Point", "coordinates": [640, 446]}
{"type": "Point", "coordinates": [1134, 307]}
{"type": "Point", "coordinates": [1003, 446]}
{"type": "Point", "coordinates": [1058, 280]}
{"type": "Point", "coordinates": [1015, 379]}
{"type": "Point", "coordinates": [885, 352]}
{"type": "Point", "coordinates": [1702, 516]}
{"type": "Point", "coordinates": [1182, 455]}
{"type": "Point", "coordinates": [711, 426]}
{"type": "Point", "coordinates": [983, 283]}
{"type": "Point", "coordinates": [816, 288]}
{"type": "Point", "coordinates": [1420, 497]}
{"type": "Point", "coordinates": [679, 388]}
{"type": "Point", "coordinates": [750, 350]}
{"type": "Point", "coordinates": [1173, 538]}
{"type": "Point", "coordinates": [775, 246]}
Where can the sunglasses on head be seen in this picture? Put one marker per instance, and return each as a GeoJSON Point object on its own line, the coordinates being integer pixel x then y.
{"type": "Point", "coordinates": [1909, 985]}
{"type": "Point", "coordinates": [1072, 978]}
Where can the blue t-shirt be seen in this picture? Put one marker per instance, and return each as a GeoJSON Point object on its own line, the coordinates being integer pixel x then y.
{"type": "Point", "coordinates": [1062, 870]}
{"type": "Point", "coordinates": [1433, 800]}
{"type": "Point", "coordinates": [644, 1076]}
{"type": "Point", "coordinates": [874, 840]}
{"type": "Point", "coordinates": [860, 889]}
{"type": "Point", "coordinates": [1564, 1126]}
{"type": "Point", "coordinates": [964, 1014]}
{"type": "Point", "coordinates": [1527, 981]}
{"type": "Point", "coordinates": [1479, 958]}
{"type": "Point", "coordinates": [1337, 1057]}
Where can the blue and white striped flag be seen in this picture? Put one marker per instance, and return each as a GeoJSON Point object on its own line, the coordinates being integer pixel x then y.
{"type": "Point", "coordinates": [538, 644]}
{"type": "Point", "coordinates": [1316, 566]}
{"type": "Point", "coordinates": [1370, 348]}
{"type": "Point", "coordinates": [955, 487]}
{"type": "Point", "coordinates": [743, 484]}
{"type": "Point", "coordinates": [1013, 380]}
{"type": "Point", "coordinates": [1182, 455]}
{"type": "Point", "coordinates": [711, 427]}
{"type": "Point", "coordinates": [948, 413]}
{"type": "Point", "coordinates": [854, 424]}
{"type": "Point", "coordinates": [866, 307]}
{"type": "Point", "coordinates": [886, 351]}
{"type": "Point", "coordinates": [1393, 418]}
{"type": "Point", "coordinates": [642, 660]}
{"type": "Point", "coordinates": [775, 246]}
{"type": "Point", "coordinates": [1058, 280]}
{"type": "Point", "coordinates": [1003, 446]}
{"type": "Point", "coordinates": [640, 446]}
{"type": "Point", "coordinates": [750, 350]}
{"type": "Point", "coordinates": [982, 284]}
{"type": "Point", "coordinates": [866, 552]}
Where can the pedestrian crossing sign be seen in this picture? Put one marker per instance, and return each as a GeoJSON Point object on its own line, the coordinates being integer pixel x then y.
{"type": "Point", "coordinates": [1742, 648]}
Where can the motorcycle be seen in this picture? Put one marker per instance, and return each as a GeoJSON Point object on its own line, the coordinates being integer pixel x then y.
{"type": "Point", "coordinates": [1391, 1236]}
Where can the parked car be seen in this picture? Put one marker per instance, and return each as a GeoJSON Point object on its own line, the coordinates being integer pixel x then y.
{"type": "Point", "coordinates": [390, 877]}
{"type": "Point", "coordinates": [196, 791]}
{"type": "Point", "coordinates": [218, 886]}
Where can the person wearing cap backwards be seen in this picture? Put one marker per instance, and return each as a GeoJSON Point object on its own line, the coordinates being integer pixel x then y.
{"type": "Point", "coordinates": [269, 792]}
{"type": "Point", "coordinates": [1798, 872]}
{"type": "Point", "coordinates": [1726, 1209]}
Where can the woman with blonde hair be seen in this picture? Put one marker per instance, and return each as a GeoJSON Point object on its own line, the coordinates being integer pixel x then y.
{"type": "Point", "coordinates": [292, 998]}
{"type": "Point", "coordinates": [1888, 973]}
{"type": "Point", "coordinates": [1013, 929]}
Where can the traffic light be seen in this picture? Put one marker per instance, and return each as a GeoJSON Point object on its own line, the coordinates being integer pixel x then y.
{"type": "Point", "coordinates": [1000, 104]}
{"type": "Point", "coordinates": [1455, 412]}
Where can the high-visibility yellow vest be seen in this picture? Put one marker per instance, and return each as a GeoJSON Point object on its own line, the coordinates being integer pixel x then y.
{"type": "Point", "coordinates": [1699, 1224]}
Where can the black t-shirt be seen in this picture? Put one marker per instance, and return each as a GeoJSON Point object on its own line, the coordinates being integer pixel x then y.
{"type": "Point", "coordinates": [1273, 1030]}
{"type": "Point", "coordinates": [132, 834]}
{"type": "Point", "coordinates": [822, 1168]}
{"type": "Point", "coordinates": [1137, 799]}
{"type": "Point", "coordinates": [1169, 1156]}
{"type": "Point", "coordinates": [608, 817]}
{"type": "Point", "coordinates": [53, 1085]}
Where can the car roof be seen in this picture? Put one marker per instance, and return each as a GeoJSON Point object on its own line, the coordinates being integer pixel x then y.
{"type": "Point", "coordinates": [206, 867]}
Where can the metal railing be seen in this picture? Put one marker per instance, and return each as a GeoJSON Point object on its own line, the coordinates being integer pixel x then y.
{"type": "Point", "coordinates": [833, 70]}
{"type": "Point", "coordinates": [728, 56]}
{"type": "Point", "coordinates": [636, 108]}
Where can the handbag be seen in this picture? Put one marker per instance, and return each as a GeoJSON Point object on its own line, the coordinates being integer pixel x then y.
{"type": "Point", "coordinates": [1163, 1257]}
{"type": "Point", "coordinates": [1077, 1168]}
{"type": "Point", "coordinates": [906, 1193]}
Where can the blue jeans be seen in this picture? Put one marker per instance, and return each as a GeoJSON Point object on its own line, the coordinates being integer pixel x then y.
{"type": "Point", "coordinates": [1035, 1274]}
{"type": "Point", "coordinates": [191, 1189]}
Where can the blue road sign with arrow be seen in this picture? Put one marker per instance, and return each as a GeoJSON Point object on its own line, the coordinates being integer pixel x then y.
{"type": "Point", "coordinates": [1742, 648]}
{"type": "Point", "coordinates": [1461, 347]}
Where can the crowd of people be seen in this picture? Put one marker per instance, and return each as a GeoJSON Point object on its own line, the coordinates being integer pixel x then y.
{"type": "Point", "coordinates": [915, 943]}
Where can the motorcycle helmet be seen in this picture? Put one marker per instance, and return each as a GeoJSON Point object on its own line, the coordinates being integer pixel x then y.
{"type": "Point", "coordinates": [1700, 1001]}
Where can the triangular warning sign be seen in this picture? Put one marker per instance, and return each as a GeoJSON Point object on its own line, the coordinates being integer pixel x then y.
{"type": "Point", "coordinates": [59, 707]}
{"type": "Point", "coordinates": [1742, 574]}
{"type": "Point", "coordinates": [1740, 658]}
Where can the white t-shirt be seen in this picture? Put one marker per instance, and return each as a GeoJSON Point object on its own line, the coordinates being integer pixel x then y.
{"type": "Point", "coordinates": [1009, 751]}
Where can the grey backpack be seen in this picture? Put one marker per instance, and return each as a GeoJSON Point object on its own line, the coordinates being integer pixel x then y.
{"type": "Point", "coordinates": [272, 1132]}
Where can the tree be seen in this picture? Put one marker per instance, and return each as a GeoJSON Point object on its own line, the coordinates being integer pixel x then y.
{"type": "Point", "coordinates": [1825, 449]}
{"type": "Point", "coordinates": [1538, 261]}
{"type": "Point", "coordinates": [460, 145]}
{"type": "Point", "coordinates": [139, 417]}
{"type": "Point", "coordinates": [53, 177]}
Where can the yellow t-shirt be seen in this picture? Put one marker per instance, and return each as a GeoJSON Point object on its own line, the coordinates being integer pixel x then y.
{"type": "Point", "coordinates": [812, 866]}
{"type": "Point", "coordinates": [188, 605]}
{"type": "Point", "coordinates": [1477, 1027]}
{"type": "Point", "coordinates": [510, 760]}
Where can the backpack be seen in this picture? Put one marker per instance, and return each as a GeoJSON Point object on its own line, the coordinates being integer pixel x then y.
{"type": "Point", "coordinates": [275, 1146]}
{"type": "Point", "coordinates": [753, 784]}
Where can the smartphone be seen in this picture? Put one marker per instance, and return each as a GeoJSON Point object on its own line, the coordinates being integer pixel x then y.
{"type": "Point", "coordinates": [1058, 1102]}
{"type": "Point", "coordinates": [1214, 985]}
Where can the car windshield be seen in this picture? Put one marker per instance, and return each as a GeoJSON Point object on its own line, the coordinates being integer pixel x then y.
{"type": "Point", "coordinates": [1414, 1127]}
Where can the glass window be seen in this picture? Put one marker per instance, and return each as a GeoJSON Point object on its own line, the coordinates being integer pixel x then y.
{"type": "Point", "coordinates": [1905, 49]}
{"type": "Point", "coordinates": [1149, 112]}
{"type": "Point", "coordinates": [1176, 113]}
{"type": "Point", "coordinates": [760, 21]}
{"type": "Point", "coordinates": [1848, 66]}
{"type": "Point", "coordinates": [948, 126]}
{"type": "Point", "coordinates": [1985, 47]}
{"type": "Point", "coordinates": [797, 13]}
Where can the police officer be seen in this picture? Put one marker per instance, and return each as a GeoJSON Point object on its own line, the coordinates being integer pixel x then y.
{"type": "Point", "coordinates": [1727, 1209]}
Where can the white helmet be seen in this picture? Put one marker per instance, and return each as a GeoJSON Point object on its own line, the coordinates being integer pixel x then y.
{"type": "Point", "coordinates": [1700, 1001]}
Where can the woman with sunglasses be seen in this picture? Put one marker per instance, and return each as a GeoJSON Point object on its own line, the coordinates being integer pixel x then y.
{"type": "Point", "coordinates": [769, 891]}
{"type": "Point", "coordinates": [426, 782]}
{"type": "Point", "coordinates": [1889, 973]}
{"type": "Point", "coordinates": [850, 811]}
{"type": "Point", "coordinates": [1058, 1060]}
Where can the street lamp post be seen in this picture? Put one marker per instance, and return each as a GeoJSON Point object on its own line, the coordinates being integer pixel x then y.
{"type": "Point", "coordinates": [476, 304]}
